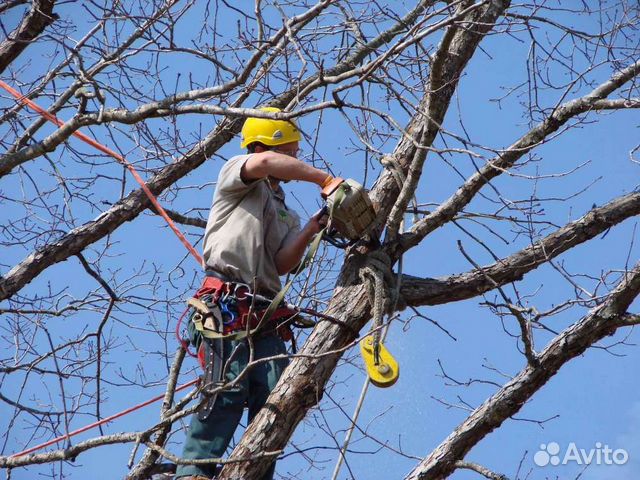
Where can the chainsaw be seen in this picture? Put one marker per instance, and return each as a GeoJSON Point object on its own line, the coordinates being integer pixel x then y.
{"type": "Point", "coordinates": [350, 210]}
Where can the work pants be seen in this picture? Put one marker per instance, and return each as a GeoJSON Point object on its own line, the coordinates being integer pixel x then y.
{"type": "Point", "coordinates": [210, 438]}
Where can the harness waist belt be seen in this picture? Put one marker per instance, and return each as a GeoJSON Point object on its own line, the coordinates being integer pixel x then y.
{"type": "Point", "coordinates": [247, 320]}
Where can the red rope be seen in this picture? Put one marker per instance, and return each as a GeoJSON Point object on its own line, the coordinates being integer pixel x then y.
{"type": "Point", "coordinates": [52, 118]}
{"type": "Point", "coordinates": [100, 422]}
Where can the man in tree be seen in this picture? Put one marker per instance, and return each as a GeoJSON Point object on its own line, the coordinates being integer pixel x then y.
{"type": "Point", "coordinates": [251, 238]}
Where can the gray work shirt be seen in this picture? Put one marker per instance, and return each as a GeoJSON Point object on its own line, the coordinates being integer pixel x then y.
{"type": "Point", "coordinates": [248, 224]}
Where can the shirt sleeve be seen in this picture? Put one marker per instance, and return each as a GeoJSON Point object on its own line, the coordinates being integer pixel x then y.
{"type": "Point", "coordinates": [230, 180]}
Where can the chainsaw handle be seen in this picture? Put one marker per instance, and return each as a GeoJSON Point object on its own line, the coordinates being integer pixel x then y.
{"type": "Point", "coordinates": [330, 238]}
{"type": "Point", "coordinates": [324, 211]}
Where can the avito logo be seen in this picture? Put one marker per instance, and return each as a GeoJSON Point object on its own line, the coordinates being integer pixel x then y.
{"type": "Point", "coordinates": [549, 454]}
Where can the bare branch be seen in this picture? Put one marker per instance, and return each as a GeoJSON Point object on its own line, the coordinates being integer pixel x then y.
{"type": "Point", "coordinates": [484, 471]}
{"type": "Point", "coordinates": [9, 4]}
{"type": "Point", "coordinates": [601, 322]}
{"type": "Point", "coordinates": [418, 292]}
{"type": "Point", "coordinates": [144, 466]}
{"type": "Point", "coordinates": [451, 207]}
{"type": "Point", "coordinates": [517, 312]}
{"type": "Point", "coordinates": [33, 24]}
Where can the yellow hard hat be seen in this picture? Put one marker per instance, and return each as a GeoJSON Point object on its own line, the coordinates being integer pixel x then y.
{"type": "Point", "coordinates": [269, 132]}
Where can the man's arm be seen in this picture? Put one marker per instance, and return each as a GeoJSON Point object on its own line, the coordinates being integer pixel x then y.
{"type": "Point", "coordinates": [282, 167]}
{"type": "Point", "coordinates": [289, 256]}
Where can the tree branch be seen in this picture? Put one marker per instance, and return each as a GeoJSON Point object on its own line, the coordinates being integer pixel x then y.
{"type": "Point", "coordinates": [616, 104]}
{"type": "Point", "coordinates": [429, 291]}
{"type": "Point", "coordinates": [601, 321]}
{"type": "Point", "coordinates": [9, 4]}
{"type": "Point", "coordinates": [484, 471]}
{"type": "Point", "coordinates": [102, 64]}
{"type": "Point", "coordinates": [454, 52]}
{"type": "Point", "coordinates": [525, 324]}
{"type": "Point", "coordinates": [463, 196]}
{"type": "Point", "coordinates": [182, 219]}
{"type": "Point", "coordinates": [144, 466]}
{"type": "Point", "coordinates": [33, 24]}
{"type": "Point", "coordinates": [630, 319]}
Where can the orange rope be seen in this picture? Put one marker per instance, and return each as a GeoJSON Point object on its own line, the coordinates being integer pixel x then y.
{"type": "Point", "coordinates": [52, 118]}
{"type": "Point", "coordinates": [100, 422]}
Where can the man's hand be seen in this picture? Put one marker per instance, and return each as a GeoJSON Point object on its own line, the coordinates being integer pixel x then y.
{"type": "Point", "coordinates": [318, 221]}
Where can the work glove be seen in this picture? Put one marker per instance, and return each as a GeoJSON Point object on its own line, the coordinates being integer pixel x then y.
{"type": "Point", "coordinates": [330, 185]}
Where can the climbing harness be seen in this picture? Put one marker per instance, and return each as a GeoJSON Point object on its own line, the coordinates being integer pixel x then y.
{"type": "Point", "coordinates": [228, 311]}
{"type": "Point", "coordinates": [225, 310]}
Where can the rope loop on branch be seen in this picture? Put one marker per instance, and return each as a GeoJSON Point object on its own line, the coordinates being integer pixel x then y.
{"type": "Point", "coordinates": [379, 281]}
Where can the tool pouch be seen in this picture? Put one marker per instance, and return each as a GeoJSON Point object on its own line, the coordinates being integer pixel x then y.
{"type": "Point", "coordinates": [207, 314]}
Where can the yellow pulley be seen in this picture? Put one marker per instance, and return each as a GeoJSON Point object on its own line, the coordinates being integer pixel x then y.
{"type": "Point", "coordinates": [386, 372]}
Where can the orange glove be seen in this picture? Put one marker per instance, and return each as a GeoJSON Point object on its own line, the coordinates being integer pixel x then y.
{"type": "Point", "coordinates": [329, 185]}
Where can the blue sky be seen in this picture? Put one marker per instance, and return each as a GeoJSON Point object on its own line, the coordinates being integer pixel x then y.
{"type": "Point", "coordinates": [595, 397]}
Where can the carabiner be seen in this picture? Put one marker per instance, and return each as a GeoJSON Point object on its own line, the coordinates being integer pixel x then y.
{"type": "Point", "coordinates": [224, 308]}
{"type": "Point", "coordinates": [246, 293]}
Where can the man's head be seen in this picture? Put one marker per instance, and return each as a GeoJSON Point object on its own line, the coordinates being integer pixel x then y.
{"type": "Point", "coordinates": [260, 134]}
